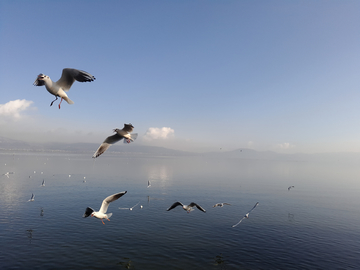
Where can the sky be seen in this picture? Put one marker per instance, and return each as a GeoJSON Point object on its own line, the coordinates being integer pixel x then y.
{"type": "Point", "coordinates": [198, 76]}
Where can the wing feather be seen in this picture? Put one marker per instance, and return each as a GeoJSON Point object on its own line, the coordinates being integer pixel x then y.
{"type": "Point", "coordinates": [69, 75]}
{"type": "Point", "coordinates": [106, 144]}
{"type": "Point", "coordinates": [197, 206]}
{"type": "Point", "coordinates": [109, 199]}
{"type": "Point", "coordinates": [174, 205]}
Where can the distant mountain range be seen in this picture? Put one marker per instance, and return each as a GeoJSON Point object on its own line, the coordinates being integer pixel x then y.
{"type": "Point", "coordinates": [7, 145]}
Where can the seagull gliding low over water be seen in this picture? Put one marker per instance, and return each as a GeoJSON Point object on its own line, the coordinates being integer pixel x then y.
{"type": "Point", "coordinates": [58, 88]}
{"type": "Point", "coordinates": [187, 208]}
{"type": "Point", "coordinates": [104, 207]}
{"type": "Point", "coordinates": [246, 216]}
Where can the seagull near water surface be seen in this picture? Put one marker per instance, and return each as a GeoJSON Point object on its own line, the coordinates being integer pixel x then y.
{"type": "Point", "coordinates": [58, 88]}
{"type": "Point", "coordinates": [119, 135]}
{"type": "Point", "coordinates": [131, 208]}
{"type": "Point", "coordinates": [101, 214]}
{"type": "Point", "coordinates": [32, 198]}
{"type": "Point", "coordinates": [187, 208]}
{"type": "Point", "coordinates": [221, 204]}
{"type": "Point", "coordinates": [246, 216]}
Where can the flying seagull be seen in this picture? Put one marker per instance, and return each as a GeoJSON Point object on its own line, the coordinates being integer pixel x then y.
{"type": "Point", "coordinates": [7, 174]}
{"type": "Point", "coordinates": [187, 208]}
{"type": "Point", "coordinates": [68, 77]}
{"type": "Point", "coordinates": [149, 184]}
{"type": "Point", "coordinates": [32, 198]}
{"type": "Point", "coordinates": [131, 208]}
{"type": "Point", "coordinates": [290, 187]}
{"type": "Point", "coordinates": [221, 204]}
{"type": "Point", "coordinates": [43, 183]}
{"type": "Point", "coordinates": [104, 207]}
{"type": "Point", "coordinates": [119, 135]}
{"type": "Point", "coordinates": [246, 216]}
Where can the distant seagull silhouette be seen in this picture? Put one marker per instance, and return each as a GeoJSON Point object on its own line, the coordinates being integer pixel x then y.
{"type": "Point", "coordinates": [7, 174]}
{"type": "Point", "coordinates": [131, 208]}
{"type": "Point", "coordinates": [43, 183]}
{"type": "Point", "coordinates": [187, 208]}
{"type": "Point", "coordinates": [221, 204]}
{"type": "Point", "coordinates": [246, 216]}
{"type": "Point", "coordinates": [290, 187]}
{"type": "Point", "coordinates": [120, 134]}
{"type": "Point", "coordinates": [104, 207]}
{"type": "Point", "coordinates": [68, 77]}
{"type": "Point", "coordinates": [149, 184]}
{"type": "Point", "coordinates": [32, 198]}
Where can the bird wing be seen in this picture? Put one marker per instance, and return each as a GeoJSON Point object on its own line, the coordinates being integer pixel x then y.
{"type": "Point", "coordinates": [88, 212]}
{"type": "Point", "coordinates": [109, 199]}
{"type": "Point", "coordinates": [69, 75]}
{"type": "Point", "coordinates": [174, 205]}
{"type": "Point", "coordinates": [238, 222]}
{"type": "Point", "coordinates": [135, 205]}
{"type": "Point", "coordinates": [217, 204]}
{"type": "Point", "coordinates": [256, 204]}
{"type": "Point", "coordinates": [128, 128]}
{"type": "Point", "coordinates": [197, 206]}
{"type": "Point", "coordinates": [106, 144]}
{"type": "Point", "coordinates": [226, 203]}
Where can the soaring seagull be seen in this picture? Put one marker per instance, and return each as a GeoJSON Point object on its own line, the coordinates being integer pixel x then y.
{"type": "Point", "coordinates": [43, 183]}
{"type": "Point", "coordinates": [290, 187]}
{"type": "Point", "coordinates": [68, 77]}
{"type": "Point", "coordinates": [104, 207]}
{"type": "Point", "coordinates": [149, 184]}
{"type": "Point", "coordinates": [119, 135]}
{"type": "Point", "coordinates": [246, 216]}
{"type": "Point", "coordinates": [221, 204]}
{"type": "Point", "coordinates": [187, 208]}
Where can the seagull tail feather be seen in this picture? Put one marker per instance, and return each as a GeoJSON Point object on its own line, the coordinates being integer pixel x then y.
{"type": "Point", "coordinates": [68, 100]}
{"type": "Point", "coordinates": [109, 215]}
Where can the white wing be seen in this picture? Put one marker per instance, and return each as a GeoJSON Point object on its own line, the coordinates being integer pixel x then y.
{"type": "Point", "coordinates": [238, 222]}
{"type": "Point", "coordinates": [108, 200]}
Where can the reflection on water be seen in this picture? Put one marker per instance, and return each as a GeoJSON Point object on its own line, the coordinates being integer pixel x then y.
{"type": "Point", "coordinates": [324, 235]}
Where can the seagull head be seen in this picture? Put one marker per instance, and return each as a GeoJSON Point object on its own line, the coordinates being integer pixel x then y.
{"type": "Point", "coordinates": [116, 130]}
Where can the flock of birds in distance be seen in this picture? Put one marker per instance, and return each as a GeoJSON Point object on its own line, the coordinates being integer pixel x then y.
{"type": "Point", "coordinates": [59, 89]}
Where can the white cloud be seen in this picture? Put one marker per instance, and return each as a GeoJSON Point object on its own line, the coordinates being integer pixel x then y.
{"type": "Point", "coordinates": [159, 133]}
{"type": "Point", "coordinates": [250, 144]}
{"type": "Point", "coordinates": [285, 145]}
{"type": "Point", "coordinates": [14, 108]}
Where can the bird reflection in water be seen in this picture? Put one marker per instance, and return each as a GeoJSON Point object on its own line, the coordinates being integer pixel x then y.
{"type": "Point", "coordinates": [126, 263]}
{"type": "Point", "coordinates": [219, 261]}
{"type": "Point", "coordinates": [29, 234]}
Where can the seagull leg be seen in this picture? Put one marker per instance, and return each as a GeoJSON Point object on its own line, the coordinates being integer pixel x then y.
{"type": "Point", "coordinates": [102, 221]}
{"type": "Point", "coordinates": [60, 102]}
{"type": "Point", "coordinates": [108, 219]}
{"type": "Point", "coordinates": [53, 101]}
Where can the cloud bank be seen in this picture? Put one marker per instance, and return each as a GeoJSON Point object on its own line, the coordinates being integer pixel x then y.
{"type": "Point", "coordinates": [13, 109]}
{"type": "Point", "coordinates": [158, 133]}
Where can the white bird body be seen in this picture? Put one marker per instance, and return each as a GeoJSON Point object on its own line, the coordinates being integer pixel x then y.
{"type": "Point", "coordinates": [187, 208]}
{"type": "Point", "coordinates": [58, 88]}
{"type": "Point", "coordinates": [32, 198]}
{"type": "Point", "coordinates": [119, 135]}
{"type": "Point", "coordinates": [101, 214]}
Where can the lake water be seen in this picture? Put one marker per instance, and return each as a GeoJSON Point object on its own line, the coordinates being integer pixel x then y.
{"type": "Point", "coordinates": [315, 225]}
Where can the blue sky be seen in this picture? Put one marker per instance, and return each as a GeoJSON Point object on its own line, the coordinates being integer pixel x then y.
{"type": "Point", "coordinates": [192, 75]}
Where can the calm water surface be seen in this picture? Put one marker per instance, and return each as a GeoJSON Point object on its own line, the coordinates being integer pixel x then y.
{"type": "Point", "coordinates": [315, 225]}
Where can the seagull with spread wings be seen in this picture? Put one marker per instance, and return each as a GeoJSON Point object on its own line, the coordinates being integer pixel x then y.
{"type": "Point", "coordinates": [187, 208]}
{"type": "Point", "coordinates": [221, 204]}
{"type": "Point", "coordinates": [246, 216]}
{"type": "Point", "coordinates": [119, 135]}
{"type": "Point", "coordinates": [104, 207]}
{"type": "Point", "coordinates": [58, 88]}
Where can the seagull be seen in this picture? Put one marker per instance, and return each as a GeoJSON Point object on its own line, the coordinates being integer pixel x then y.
{"type": "Point", "coordinates": [68, 77]}
{"type": "Point", "coordinates": [187, 208]}
{"type": "Point", "coordinates": [32, 198]}
{"type": "Point", "coordinates": [246, 216]}
{"type": "Point", "coordinates": [43, 183]}
{"type": "Point", "coordinates": [120, 134]}
{"type": "Point", "coordinates": [131, 208]}
{"type": "Point", "coordinates": [104, 207]}
{"type": "Point", "coordinates": [7, 174]}
{"type": "Point", "coordinates": [290, 187]}
{"type": "Point", "coordinates": [221, 204]}
{"type": "Point", "coordinates": [149, 184]}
